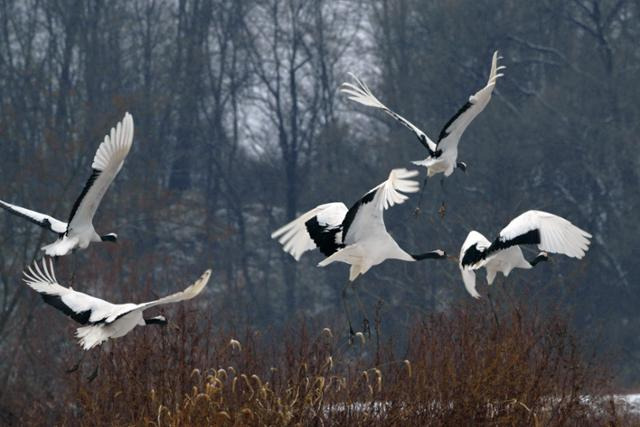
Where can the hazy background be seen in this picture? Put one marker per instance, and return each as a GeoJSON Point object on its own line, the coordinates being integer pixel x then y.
{"type": "Point", "coordinates": [239, 127]}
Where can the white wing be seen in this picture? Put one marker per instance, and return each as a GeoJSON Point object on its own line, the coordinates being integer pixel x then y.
{"type": "Point", "coordinates": [297, 238]}
{"type": "Point", "coordinates": [361, 94]}
{"type": "Point", "coordinates": [474, 242]}
{"type": "Point", "coordinates": [106, 164]}
{"type": "Point", "coordinates": [190, 292]}
{"type": "Point", "coordinates": [81, 307]}
{"type": "Point", "coordinates": [42, 220]}
{"type": "Point", "coordinates": [453, 129]}
{"type": "Point", "coordinates": [554, 234]}
{"type": "Point", "coordinates": [365, 217]}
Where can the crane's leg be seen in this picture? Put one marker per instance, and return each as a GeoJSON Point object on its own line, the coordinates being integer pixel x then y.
{"type": "Point", "coordinates": [493, 310]}
{"type": "Point", "coordinates": [77, 365]}
{"type": "Point", "coordinates": [345, 305]}
{"type": "Point", "coordinates": [443, 208]}
{"type": "Point", "coordinates": [94, 374]}
{"type": "Point", "coordinates": [417, 211]}
{"type": "Point", "coordinates": [365, 320]}
{"type": "Point", "coordinates": [106, 349]}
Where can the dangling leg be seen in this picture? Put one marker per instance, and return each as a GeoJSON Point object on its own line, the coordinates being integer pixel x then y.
{"type": "Point", "coordinates": [103, 352]}
{"type": "Point", "coordinates": [493, 310]}
{"type": "Point", "coordinates": [77, 365]}
{"type": "Point", "coordinates": [94, 374]}
{"type": "Point", "coordinates": [443, 208]}
{"type": "Point", "coordinates": [365, 320]}
{"type": "Point", "coordinates": [74, 269]}
{"type": "Point", "coordinates": [346, 311]}
{"type": "Point", "coordinates": [416, 212]}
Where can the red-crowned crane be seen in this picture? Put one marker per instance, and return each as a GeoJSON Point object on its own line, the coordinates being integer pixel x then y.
{"type": "Point", "coordinates": [78, 232]}
{"type": "Point", "coordinates": [549, 232]}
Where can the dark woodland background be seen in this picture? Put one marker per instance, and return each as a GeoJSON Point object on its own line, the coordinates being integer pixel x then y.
{"type": "Point", "coordinates": [239, 127]}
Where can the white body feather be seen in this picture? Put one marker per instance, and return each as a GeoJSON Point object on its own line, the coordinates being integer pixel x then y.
{"type": "Point", "coordinates": [79, 232]}
{"type": "Point", "coordinates": [557, 235]}
{"type": "Point", "coordinates": [367, 242]}
{"type": "Point", "coordinates": [103, 320]}
{"type": "Point", "coordinates": [447, 143]}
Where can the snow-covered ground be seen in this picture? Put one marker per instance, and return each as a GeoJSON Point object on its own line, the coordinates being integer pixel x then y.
{"type": "Point", "coordinates": [633, 400]}
{"type": "Point", "coordinates": [379, 407]}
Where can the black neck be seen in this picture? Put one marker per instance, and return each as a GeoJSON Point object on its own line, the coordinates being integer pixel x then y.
{"type": "Point", "coordinates": [155, 321]}
{"type": "Point", "coordinates": [428, 255]}
{"type": "Point", "coordinates": [538, 259]}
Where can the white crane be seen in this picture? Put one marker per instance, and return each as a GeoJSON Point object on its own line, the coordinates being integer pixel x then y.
{"type": "Point", "coordinates": [101, 319]}
{"type": "Point", "coordinates": [78, 232]}
{"type": "Point", "coordinates": [355, 236]}
{"type": "Point", "coordinates": [442, 154]}
{"type": "Point", "coordinates": [550, 232]}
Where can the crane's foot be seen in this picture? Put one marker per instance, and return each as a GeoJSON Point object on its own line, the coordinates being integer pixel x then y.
{"type": "Point", "coordinates": [365, 327]}
{"type": "Point", "coordinates": [442, 210]}
{"type": "Point", "coordinates": [352, 335]}
{"type": "Point", "coordinates": [94, 374]}
{"type": "Point", "coordinates": [73, 368]}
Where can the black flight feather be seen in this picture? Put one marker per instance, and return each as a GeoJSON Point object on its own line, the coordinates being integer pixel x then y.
{"type": "Point", "coordinates": [323, 236]}
{"type": "Point", "coordinates": [444, 133]}
{"type": "Point", "coordinates": [472, 255]}
{"type": "Point", "coordinates": [45, 223]}
{"type": "Point", "coordinates": [56, 301]}
{"type": "Point", "coordinates": [92, 179]}
{"type": "Point", "coordinates": [352, 212]}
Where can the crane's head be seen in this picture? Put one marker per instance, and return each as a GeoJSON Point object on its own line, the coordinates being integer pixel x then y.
{"type": "Point", "coordinates": [157, 320]}
{"type": "Point", "coordinates": [542, 256]}
{"type": "Point", "coordinates": [437, 254]}
{"type": "Point", "coordinates": [111, 237]}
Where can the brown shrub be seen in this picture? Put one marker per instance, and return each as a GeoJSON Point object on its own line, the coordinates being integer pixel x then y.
{"type": "Point", "coordinates": [471, 365]}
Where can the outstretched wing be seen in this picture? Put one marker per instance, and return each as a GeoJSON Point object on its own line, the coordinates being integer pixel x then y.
{"type": "Point", "coordinates": [550, 232]}
{"type": "Point", "coordinates": [106, 164]}
{"type": "Point", "coordinates": [360, 93]}
{"type": "Point", "coordinates": [454, 128]}
{"type": "Point", "coordinates": [191, 291]}
{"type": "Point", "coordinates": [81, 307]}
{"type": "Point", "coordinates": [366, 216]}
{"type": "Point", "coordinates": [42, 220]}
{"type": "Point", "coordinates": [472, 249]}
{"type": "Point", "coordinates": [321, 228]}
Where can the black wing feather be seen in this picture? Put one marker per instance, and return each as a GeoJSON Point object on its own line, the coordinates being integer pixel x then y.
{"type": "Point", "coordinates": [45, 223]}
{"type": "Point", "coordinates": [353, 211]}
{"type": "Point", "coordinates": [56, 301]}
{"type": "Point", "coordinates": [324, 236]}
{"type": "Point", "coordinates": [443, 132]}
{"type": "Point", "coordinates": [421, 136]}
{"type": "Point", "coordinates": [531, 237]}
{"type": "Point", "coordinates": [92, 179]}
{"type": "Point", "coordinates": [473, 255]}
